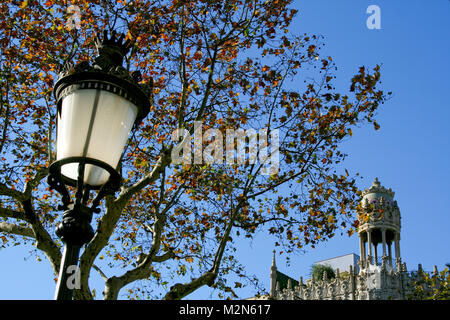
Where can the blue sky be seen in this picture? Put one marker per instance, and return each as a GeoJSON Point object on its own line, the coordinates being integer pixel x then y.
{"type": "Point", "coordinates": [410, 153]}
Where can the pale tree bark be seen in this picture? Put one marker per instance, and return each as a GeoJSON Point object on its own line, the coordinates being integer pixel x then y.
{"type": "Point", "coordinates": [12, 228]}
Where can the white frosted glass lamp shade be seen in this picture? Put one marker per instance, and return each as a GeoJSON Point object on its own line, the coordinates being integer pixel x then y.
{"type": "Point", "coordinates": [95, 124]}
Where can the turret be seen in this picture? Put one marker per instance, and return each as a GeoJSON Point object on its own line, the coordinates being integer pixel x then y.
{"type": "Point", "coordinates": [379, 223]}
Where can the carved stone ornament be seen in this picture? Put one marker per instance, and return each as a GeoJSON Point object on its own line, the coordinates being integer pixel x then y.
{"type": "Point", "coordinates": [378, 188]}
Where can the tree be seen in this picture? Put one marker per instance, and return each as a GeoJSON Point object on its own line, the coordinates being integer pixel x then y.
{"type": "Point", "coordinates": [317, 271]}
{"type": "Point", "coordinates": [434, 286]}
{"type": "Point", "coordinates": [215, 65]}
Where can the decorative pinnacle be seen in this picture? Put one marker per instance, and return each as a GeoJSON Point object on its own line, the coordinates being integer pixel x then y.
{"type": "Point", "coordinates": [376, 183]}
{"type": "Point", "coordinates": [378, 188]}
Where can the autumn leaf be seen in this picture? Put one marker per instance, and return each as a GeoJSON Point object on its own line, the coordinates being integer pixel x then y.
{"type": "Point", "coordinates": [311, 49]}
{"type": "Point", "coordinates": [189, 259]}
{"type": "Point", "coordinates": [376, 125]}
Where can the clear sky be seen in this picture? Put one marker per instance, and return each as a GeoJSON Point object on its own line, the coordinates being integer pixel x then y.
{"type": "Point", "coordinates": [410, 153]}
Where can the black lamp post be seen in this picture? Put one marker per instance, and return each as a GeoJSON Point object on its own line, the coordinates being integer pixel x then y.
{"type": "Point", "coordinates": [97, 108]}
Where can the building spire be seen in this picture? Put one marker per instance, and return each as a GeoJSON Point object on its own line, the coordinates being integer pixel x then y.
{"type": "Point", "coordinates": [274, 265]}
{"type": "Point", "coordinates": [273, 276]}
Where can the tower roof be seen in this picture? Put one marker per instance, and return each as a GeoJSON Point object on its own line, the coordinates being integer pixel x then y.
{"type": "Point", "coordinates": [377, 191]}
{"type": "Point", "coordinates": [378, 202]}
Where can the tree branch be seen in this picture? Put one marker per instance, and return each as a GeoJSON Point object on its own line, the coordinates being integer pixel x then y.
{"type": "Point", "coordinates": [8, 213]}
{"type": "Point", "coordinates": [44, 241]}
{"type": "Point", "coordinates": [100, 272]}
{"type": "Point", "coordinates": [166, 256]}
{"type": "Point", "coordinates": [13, 193]}
{"type": "Point", "coordinates": [142, 271]}
{"type": "Point", "coordinates": [126, 194]}
{"type": "Point", "coordinates": [15, 229]}
{"type": "Point", "coordinates": [33, 183]}
{"type": "Point", "coordinates": [179, 291]}
{"type": "Point", "coordinates": [104, 230]}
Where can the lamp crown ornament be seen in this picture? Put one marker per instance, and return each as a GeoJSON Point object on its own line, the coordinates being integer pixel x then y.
{"type": "Point", "coordinates": [106, 73]}
{"type": "Point", "coordinates": [112, 50]}
{"type": "Point", "coordinates": [113, 42]}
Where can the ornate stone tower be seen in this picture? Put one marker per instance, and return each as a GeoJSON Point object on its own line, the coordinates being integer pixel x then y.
{"type": "Point", "coordinates": [379, 224]}
{"type": "Point", "coordinates": [378, 278]}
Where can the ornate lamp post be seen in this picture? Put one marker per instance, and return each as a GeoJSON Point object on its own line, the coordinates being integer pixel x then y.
{"type": "Point", "coordinates": [98, 106]}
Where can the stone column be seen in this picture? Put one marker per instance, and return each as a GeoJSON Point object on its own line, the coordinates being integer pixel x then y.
{"type": "Point", "coordinates": [362, 248]}
{"type": "Point", "coordinates": [375, 253]}
{"type": "Point", "coordinates": [352, 283]}
{"type": "Point", "coordinates": [397, 245]}
{"type": "Point", "coordinates": [383, 237]}
{"type": "Point", "coordinates": [390, 253]}
{"type": "Point", "coordinates": [369, 242]}
{"type": "Point", "coordinates": [364, 251]}
{"type": "Point", "coordinates": [397, 252]}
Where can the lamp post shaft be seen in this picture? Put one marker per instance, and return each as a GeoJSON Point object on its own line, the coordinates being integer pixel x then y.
{"type": "Point", "coordinates": [68, 277]}
{"type": "Point", "coordinates": [74, 230]}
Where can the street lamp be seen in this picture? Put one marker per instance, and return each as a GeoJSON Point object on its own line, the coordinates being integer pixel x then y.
{"type": "Point", "coordinates": [97, 107]}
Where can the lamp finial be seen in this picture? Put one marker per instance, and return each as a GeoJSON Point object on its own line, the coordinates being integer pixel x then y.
{"type": "Point", "coordinates": [111, 50]}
